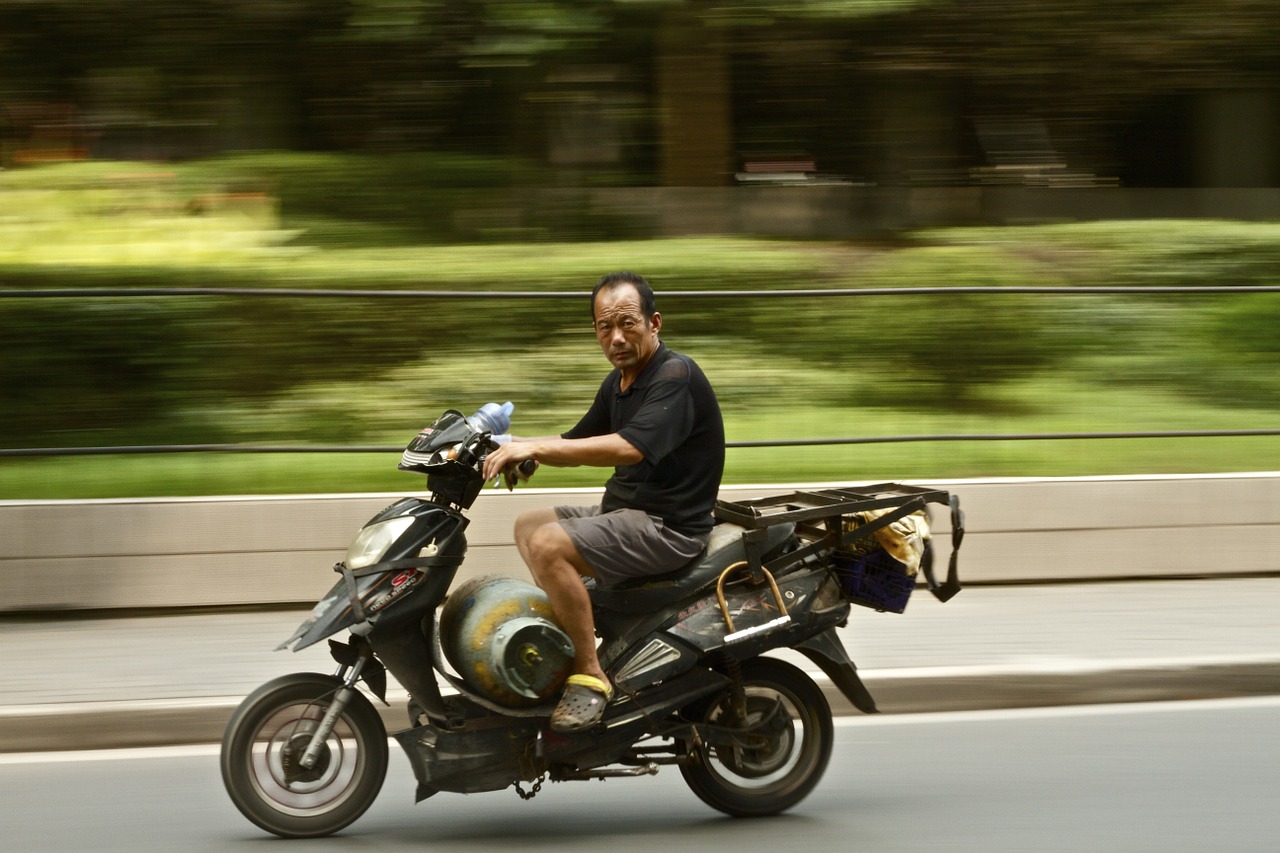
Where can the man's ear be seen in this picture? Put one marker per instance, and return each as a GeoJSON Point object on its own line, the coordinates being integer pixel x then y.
{"type": "Point", "coordinates": [656, 321]}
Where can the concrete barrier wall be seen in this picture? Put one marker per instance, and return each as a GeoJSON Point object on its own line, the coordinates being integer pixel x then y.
{"type": "Point", "coordinates": [182, 552]}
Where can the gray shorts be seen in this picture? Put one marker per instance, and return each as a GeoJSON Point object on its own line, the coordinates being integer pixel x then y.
{"type": "Point", "coordinates": [627, 543]}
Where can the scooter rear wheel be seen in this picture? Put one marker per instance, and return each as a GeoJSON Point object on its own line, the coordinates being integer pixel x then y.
{"type": "Point", "coordinates": [782, 751]}
{"type": "Point", "coordinates": [263, 747]}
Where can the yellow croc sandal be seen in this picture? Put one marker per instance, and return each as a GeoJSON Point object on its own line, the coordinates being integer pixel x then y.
{"type": "Point", "coordinates": [581, 705]}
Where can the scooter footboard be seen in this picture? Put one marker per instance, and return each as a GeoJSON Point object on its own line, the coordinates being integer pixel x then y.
{"type": "Point", "coordinates": [494, 751]}
{"type": "Point", "coordinates": [470, 761]}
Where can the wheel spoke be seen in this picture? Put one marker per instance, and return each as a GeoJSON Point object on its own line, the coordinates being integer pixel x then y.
{"type": "Point", "coordinates": [263, 748]}
{"type": "Point", "coordinates": [293, 790]}
{"type": "Point", "coordinates": [782, 747]}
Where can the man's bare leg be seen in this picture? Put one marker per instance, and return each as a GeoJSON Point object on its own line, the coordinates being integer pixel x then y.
{"type": "Point", "coordinates": [527, 523]}
{"type": "Point", "coordinates": [558, 569]}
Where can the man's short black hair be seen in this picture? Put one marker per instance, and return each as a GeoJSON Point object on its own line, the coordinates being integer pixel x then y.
{"type": "Point", "coordinates": [642, 287]}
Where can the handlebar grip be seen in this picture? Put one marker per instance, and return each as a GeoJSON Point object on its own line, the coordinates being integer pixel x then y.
{"type": "Point", "coordinates": [528, 466]}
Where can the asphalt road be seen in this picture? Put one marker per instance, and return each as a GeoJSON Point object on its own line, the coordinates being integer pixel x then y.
{"type": "Point", "coordinates": [1190, 776]}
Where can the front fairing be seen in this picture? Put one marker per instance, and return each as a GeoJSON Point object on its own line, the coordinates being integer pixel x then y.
{"type": "Point", "coordinates": [331, 614]}
{"type": "Point", "coordinates": [389, 588]}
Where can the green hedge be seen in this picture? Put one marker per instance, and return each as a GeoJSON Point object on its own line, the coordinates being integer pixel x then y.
{"type": "Point", "coordinates": [141, 370]}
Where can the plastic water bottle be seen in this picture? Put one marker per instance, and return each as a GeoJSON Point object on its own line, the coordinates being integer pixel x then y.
{"type": "Point", "coordinates": [493, 418]}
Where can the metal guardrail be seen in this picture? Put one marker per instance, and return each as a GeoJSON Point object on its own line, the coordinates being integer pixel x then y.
{"type": "Point", "coordinates": [775, 442]}
{"type": "Point", "coordinates": [135, 292]}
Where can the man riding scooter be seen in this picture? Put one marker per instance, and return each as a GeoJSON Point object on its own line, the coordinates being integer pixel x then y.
{"type": "Point", "coordinates": [656, 421]}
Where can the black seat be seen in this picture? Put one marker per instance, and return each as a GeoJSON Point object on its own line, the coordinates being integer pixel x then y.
{"type": "Point", "coordinates": [647, 594]}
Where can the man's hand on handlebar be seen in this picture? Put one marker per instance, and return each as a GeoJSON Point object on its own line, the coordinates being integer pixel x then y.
{"type": "Point", "coordinates": [523, 471]}
{"type": "Point", "coordinates": [514, 461]}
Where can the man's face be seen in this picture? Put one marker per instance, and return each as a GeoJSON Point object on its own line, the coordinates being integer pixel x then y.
{"type": "Point", "coordinates": [626, 336]}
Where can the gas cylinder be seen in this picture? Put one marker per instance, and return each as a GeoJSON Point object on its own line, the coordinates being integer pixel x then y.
{"type": "Point", "coordinates": [499, 634]}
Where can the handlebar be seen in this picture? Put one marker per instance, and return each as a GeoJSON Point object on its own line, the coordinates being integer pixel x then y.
{"type": "Point", "coordinates": [510, 477]}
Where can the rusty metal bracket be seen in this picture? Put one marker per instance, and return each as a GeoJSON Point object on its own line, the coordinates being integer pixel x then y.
{"type": "Point", "coordinates": [724, 605]}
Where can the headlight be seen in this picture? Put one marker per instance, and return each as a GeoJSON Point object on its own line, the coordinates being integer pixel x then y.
{"type": "Point", "coordinates": [373, 541]}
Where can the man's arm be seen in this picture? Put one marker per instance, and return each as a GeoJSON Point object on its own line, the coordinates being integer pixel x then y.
{"type": "Point", "coordinates": [598, 451]}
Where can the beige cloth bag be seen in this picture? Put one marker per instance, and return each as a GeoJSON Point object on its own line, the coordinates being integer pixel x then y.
{"type": "Point", "coordinates": [904, 539]}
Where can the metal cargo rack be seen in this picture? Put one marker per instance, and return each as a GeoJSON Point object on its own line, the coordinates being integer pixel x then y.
{"type": "Point", "coordinates": [819, 518]}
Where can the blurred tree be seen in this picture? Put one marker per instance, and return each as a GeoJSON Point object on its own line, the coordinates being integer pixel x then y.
{"type": "Point", "coordinates": [180, 77]}
{"type": "Point", "coordinates": [1123, 84]}
{"type": "Point", "coordinates": [693, 100]}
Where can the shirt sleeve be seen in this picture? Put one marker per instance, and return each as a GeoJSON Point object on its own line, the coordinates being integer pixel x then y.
{"type": "Point", "coordinates": [597, 420]}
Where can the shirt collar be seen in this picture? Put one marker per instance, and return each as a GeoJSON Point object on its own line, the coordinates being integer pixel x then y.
{"type": "Point", "coordinates": [660, 355]}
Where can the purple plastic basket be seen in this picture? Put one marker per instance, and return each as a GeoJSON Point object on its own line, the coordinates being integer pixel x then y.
{"type": "Point", "coordinates": [874, 580]}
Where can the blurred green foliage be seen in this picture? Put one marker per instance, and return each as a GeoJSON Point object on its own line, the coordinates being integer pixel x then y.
{"type": "Point", "coordinates": [1138, 253]}
{"type": "Point", "coordinates": [97, 367]}
{"type": "Point", "coordinates": [203, 369]}
{"type": "Point", "coordinates": [399, 199]}
{"type": "Point", "coordinates": [1241, 344]}
{"type": "Point", "coordinates": [950, 351]}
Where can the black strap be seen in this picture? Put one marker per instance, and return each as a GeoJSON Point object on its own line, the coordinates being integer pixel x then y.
{"type": "Point", "coordinates": [352, 592]}
{"type": "Point", "coordinates": [865, 530]}
{"type": "Point", "coordinates": [947, 591]}
{"type": "Point", "coordinates": [418, 563]}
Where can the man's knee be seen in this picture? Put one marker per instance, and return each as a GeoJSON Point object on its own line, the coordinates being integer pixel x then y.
{"type": "Point", "coordinates": [550, 548]}
{"type": "Point", "coordinates": [529, 521]}
{"type": "Point", "coordinates": [546, 542]}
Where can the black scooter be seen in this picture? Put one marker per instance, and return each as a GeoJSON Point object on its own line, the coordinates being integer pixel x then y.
{"type": "Point", "coordinates": [305, 755]}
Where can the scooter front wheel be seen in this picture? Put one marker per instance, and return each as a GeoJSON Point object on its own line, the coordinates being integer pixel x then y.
{"type": "Point", "coordinates": [263, 747]}
{"type": "Point", "coordinates": [766, 748]}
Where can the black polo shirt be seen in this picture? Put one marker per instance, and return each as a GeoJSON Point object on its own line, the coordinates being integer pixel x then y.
{"type": "Point", "coordinates": [669, 414]}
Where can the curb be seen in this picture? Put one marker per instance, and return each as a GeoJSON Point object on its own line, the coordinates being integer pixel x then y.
{"type": "Point", "coordinates": [1040, 688]}
{"type": "Point", "coordinates": [168, 722]}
